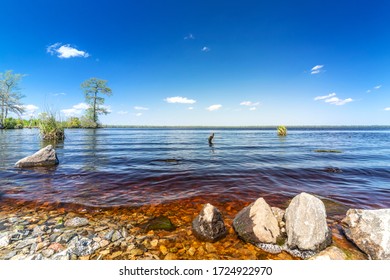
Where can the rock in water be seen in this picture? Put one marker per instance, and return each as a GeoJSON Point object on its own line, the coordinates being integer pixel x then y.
{"type": "Point", "coordinates": [370, 231]}
{"type": "Point", "coordinates": [44, 157]}
{"type": "Point", "coordinates": [209, 225]}
{"type": "Point", "coordinates": [76, 222]}
{"type": "Point", "coordinates": [158, 223]}
{"type": "Point", "coordinates": [257, 224]}
{"type": "Point", "coordinates": [330, 253]}
{"type": "Point", "coordinates": [306, 225]}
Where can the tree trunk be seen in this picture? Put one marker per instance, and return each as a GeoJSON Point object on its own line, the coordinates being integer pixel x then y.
{"type": "Point", "coordinates": [2, 113]}
{"type": "Point", "coordinates": [94, 108]}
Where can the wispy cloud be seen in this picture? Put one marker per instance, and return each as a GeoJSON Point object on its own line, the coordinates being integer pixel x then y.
{"type": "Point", "coordinates": [138, 114]}
{"type": "Point", "coordinates": [214, 107]}
{"type": "Point", "coordinates": [387, 109]}
{"type": "Point", "coordinates": [374, 88]}
{"type": "Point", "coordinates": [333, 99]}
{"type": "Point", "coordinates": [252, 105]}
{"type": "Point", "coordinates": [338, 101]}
{"type": "Point", "coordinates": [249, 103]}
{"type": "Point", "coordinates": [189, 37]}
{"type": "Point", "coordinates": [140, 108]}
{"type": "Point", "coordinates": [65, 51]}
{"type": "Point", "coordinates": [122, 112]}
{"type": "Point", "coordinates": [179, 99]}
{"type": "Point", "coordinates": [325, 96]}
{"type": "Point", "coordinates": [190, 108]}
{"type": "Point", "coordinates": [205, 49]}
{"type": "Point", "coordinates": [316, 69]}
{"type": "Point", "coordinates": [60, 93]}
{"type": "Point", "coordinates": [76, 110]}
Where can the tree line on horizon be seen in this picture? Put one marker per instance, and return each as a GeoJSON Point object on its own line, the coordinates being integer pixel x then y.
{"type": "Point", "coordinates": [10, 102]}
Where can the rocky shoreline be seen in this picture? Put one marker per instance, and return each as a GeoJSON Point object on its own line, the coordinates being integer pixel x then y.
{"type": "Point", "coordinates": [45, 232]}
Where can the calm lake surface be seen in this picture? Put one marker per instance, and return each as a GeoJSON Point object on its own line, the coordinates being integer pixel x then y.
{"type": "Point", "coordinates": [136, 167]}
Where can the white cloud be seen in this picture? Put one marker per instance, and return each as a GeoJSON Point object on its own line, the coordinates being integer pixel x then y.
{"type": "Point", "coordinates": [387, 109]}
{"type": "Point", "coordinates": [325, 96]}
{"type": "Point", "coordinates": [249, 103]}
{"type": "Point", "coordinates": [65, 51]}
{"type": "Point", "coordinates": [141, 108]}
{"type": "Point", "coordinates": [190, 108]}
{"type": "Point", "coordinates": [252, 109]}
{"type": "Point", "coordinates": [338, 101]}
{"type": "Point", "coordinates": [189, 37]}
{"type": "Point", "coordinates": [30, 107]}
{"type": "Point", "coordinates": [29, 110]}
{"type": "Point", "coordinates": [205, 49]}
{"type": "Point", "coordinates": [122, 112]}
{"type": "Point", "coordinates": [60, 93]}
{"type": "Point", "coordinates": [214, 107]}
{"type": "Point", "coordinates": [81, 106]}
{"type": "Point", "coordinates": [374, 88]}
{"type": "Point", "coordinates": [316, 69]}
{"type": "Point", "coordinates": [76, 110]}
{"type": "Point", "coordinates": [138, 114]}
{"type": "Point", "coordinates": [333, 99]}
{"type": "Point", "coordinates": [179, 99]}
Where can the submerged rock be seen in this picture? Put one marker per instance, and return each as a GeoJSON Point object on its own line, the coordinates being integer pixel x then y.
{"type": "Point", "coordinates": [44, 157]}
{"type": "Point", "coordinates": [76, 222]}
{"type": "Point", "coordinates": [83, 246]}
{"type": "Point", "coordinates": [158, 223]}
{"type": "Point", "coordinates": [370, 231]}
{"type": "Point", "coordinates": [209, 225]}
{"type": "Point", "coordinates": [257, 224]}
{"type": "Point", "coordinates": [306, 225]}
{"type": "Point", "coordinates": [330, 253]}
{"type": "Point", "coordinates": [333, 170]}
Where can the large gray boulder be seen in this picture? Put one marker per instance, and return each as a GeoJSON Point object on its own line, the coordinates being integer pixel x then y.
{"type": "Point", "coordinates": [370, 231]}
{"type": "Point", "coordinates": [44, 157]}
{"type": "Point", "coordinates": [257, 224]}
{"type": "Point", "coordinates": [306, 225]}
{"type": "Point", "coordinates": [209, 225]}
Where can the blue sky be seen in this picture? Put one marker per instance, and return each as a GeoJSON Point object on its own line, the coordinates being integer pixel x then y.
{"type": "Point", "coordinates": [204, 62]}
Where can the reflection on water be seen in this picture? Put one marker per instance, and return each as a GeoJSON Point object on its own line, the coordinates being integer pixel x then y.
{"type": "Point", "coordinates": [133, 167]}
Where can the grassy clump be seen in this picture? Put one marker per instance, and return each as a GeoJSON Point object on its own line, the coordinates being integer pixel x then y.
{"type": "Point", "coordinates": [50, 128]}
{"type": "Point", "coordinates": [282, 130]}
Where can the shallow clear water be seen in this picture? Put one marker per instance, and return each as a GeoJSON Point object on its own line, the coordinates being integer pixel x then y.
{"type": "Point", "coordinates": [134, 167]}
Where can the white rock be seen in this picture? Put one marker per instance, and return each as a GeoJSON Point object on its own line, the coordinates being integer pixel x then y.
{"type": "Point", "coordinates": [370, 231]}
{"type": "Point", "coordinates": [306, 225]}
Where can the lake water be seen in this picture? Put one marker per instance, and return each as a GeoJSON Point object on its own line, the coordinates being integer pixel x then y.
{"type": "Point", "coordinates": [137, 167]}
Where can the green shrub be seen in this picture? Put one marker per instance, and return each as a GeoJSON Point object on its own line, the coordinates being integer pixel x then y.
{"type": "Point", "coordinates": [73, 122]}
{"type": "Point", "coordinates": [50, 128]}
{"type": "Point", "coordinates": [86, 122]}
{"type": "Point", "coordinates": [9, 123]}
{"type": "Point", "coordinates": [282, 130]}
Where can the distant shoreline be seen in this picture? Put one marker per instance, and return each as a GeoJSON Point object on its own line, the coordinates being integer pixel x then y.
{"type": "Point", "coordinates": [265, 127]}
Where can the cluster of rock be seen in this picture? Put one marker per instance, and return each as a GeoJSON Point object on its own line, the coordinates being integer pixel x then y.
{"type": "Point", "coordinates": [300, 230]}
